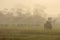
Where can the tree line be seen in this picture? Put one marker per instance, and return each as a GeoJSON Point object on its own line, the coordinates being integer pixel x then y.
{"type": "Point", "coordinates": [38, 16]}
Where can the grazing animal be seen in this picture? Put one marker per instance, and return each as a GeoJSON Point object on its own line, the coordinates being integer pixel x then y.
{"type": "Point", "coordinates": [48, 25]}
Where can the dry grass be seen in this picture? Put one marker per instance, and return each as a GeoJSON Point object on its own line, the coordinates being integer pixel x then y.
{"type": "Point", "coordinates": [26, 33]}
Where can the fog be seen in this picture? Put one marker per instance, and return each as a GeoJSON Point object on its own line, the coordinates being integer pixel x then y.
{"type": "Point", "coordinates": [52, 6]}
{"type": "Point", "coordinates": [44, 8]}
{"type": "Point", "coordinates": [30, 19]}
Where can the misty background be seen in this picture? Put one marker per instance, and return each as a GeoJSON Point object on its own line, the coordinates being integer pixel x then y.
{"type": "Point", "coordinates": [52, 6]}
{"type": "Point", "coordinates": [25, 19]}
{"type": "Point", "coordinates": [29, 12]}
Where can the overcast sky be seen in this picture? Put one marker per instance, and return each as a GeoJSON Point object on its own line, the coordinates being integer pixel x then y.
{"type": "Point", "coordinates": [53, 6]}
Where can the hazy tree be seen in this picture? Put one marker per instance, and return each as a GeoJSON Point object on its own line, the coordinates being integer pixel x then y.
{"type": "Point", "coordinates": [2, 17]}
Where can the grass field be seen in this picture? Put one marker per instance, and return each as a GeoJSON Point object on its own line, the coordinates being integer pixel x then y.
{"type": "Point", "coordinates": [25, 33]}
